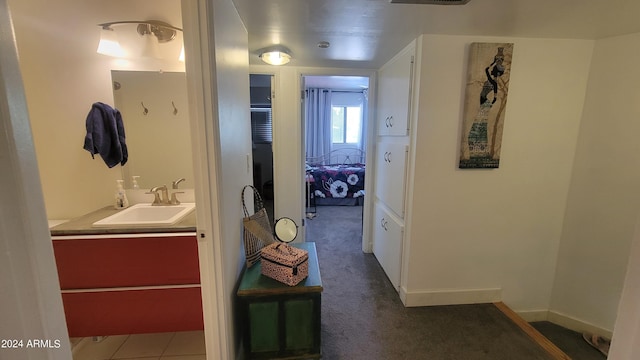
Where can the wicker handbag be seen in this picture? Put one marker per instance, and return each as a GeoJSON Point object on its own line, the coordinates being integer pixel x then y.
{"type": "Point", "coordinates": [257, 231]}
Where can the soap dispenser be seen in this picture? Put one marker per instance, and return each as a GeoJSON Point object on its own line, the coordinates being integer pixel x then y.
{"type": "Point", "coordinates": [134, 182]}
{"type": "Point", "coordinates": [121, 196]}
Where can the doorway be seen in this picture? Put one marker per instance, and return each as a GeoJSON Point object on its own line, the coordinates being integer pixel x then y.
{"type": "Point", "coordinates": [335, 136]}
{"type": "Point", "coordinates": [262, 137]}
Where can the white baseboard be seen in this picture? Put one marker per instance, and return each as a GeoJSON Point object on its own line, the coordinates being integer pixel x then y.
{"type": "Point", "coordinates": [577, 325]}
{"type": "Point", "coordinates": [565, 321]}
{"type": "Point", "coordinates": [450, 297]}
{"type": "Point", "coordinates": [534, 315]}
{"type": "Point", "coordinates": [480, 296]}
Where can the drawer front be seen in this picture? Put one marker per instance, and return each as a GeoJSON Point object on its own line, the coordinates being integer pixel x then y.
{"type": "Point", "coordinates": [133, 311]}
{"type": "Point", "coordinates": [387, 243]}
{"type": "Point", "coordinates": [390, 175]}
{"type": "Point", "coordinates": [122, 262]}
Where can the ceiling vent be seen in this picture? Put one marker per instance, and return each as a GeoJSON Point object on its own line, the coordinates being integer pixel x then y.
{"type": "Point", "coordinates": [430, 2]}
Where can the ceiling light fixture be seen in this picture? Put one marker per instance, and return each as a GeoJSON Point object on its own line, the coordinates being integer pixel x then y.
{"type": "Point", "coordinates": [275, 56]}
{"type": "Point", "coordinates": [153, 32]}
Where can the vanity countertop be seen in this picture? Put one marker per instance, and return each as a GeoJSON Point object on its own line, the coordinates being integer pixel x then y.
{"type": "Point", "coordinates": [83, 225]}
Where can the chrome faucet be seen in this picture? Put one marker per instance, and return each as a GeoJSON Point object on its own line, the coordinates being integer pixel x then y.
{"type": "Point", "coordinates": [158, 200]}
{"type": "Point", "coordinates": [176, 182]}
{"type": "Point", "coordinates": [162, 194]}
{"type": "Point", "coordinates": [174, 199]}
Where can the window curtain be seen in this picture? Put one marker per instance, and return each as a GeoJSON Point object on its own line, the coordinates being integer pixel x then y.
{"type": "Point", "coordinates": [318, 122]}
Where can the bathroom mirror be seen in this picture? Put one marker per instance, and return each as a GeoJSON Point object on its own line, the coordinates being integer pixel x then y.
{"type": "Point", "coordinates": [286, 229]}
{"type": "Point", "coordinates": [156, 122]}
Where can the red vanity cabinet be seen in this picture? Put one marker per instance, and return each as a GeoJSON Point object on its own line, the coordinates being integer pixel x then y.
{"type": "Point", "coordinates": [127, 284]}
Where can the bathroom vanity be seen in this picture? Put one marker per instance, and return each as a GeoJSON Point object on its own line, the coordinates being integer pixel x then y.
{"type": "Point", "coordinates": [128, 280]}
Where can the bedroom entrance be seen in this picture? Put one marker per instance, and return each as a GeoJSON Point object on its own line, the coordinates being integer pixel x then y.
{"type": "Point", "coordinates": [335, 133]}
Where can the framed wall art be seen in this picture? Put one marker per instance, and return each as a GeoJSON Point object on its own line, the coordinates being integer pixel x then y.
{"type": "Point", "coordinates": [485, 103]}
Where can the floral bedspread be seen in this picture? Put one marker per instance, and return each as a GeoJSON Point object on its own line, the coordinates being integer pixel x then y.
{"type": "Point", "coordinates": [337, 181]}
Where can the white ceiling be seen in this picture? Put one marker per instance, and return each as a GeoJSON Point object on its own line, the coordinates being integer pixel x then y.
{"type": "Point", "coordinates": [367, 33]}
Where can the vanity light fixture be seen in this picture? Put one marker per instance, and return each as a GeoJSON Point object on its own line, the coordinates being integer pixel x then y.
{"type": "Point", "coordinates": [275, 56]}
{"type": "Point", "coordinates": [153, 32]}
{"type": "Point", "coordinates": [181, 57]}
{"type": "Point", "coordinates": [150, 46]}
{"type": "Point", "coordinates": [109, 44]}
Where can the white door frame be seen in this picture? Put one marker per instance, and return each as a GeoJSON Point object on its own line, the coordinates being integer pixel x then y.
{"type": "Point", "coordinates": [201, 87]}
{"type": "Point", "coordinates": [626, 333]}
{"type": "Point", "coordinates": [367, 244]}
{"type": "Point", "coordinates": [30, 296]}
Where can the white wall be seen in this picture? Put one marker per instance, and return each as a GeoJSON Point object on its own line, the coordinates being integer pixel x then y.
{"type": "Point", "coordinates": [476, 230]}
{"type": "Point", "coordinates": [604, 199]}
{"type": "Point", "coordinates": [287, 139]}
{"type": "Point", "coordinates": [231, 110]}
{"type": "Point", "coordinates": [63, 75]}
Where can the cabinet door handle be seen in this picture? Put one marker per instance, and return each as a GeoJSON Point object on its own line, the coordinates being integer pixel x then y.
{"type": "Point", "coordinates": [383, 224]}
{"type": "Point", "coordinates": [390, 121]}
{"type": "Point", "coordinates": [386, 122]}
{"type": "Point", "coordinates": [387, 157]}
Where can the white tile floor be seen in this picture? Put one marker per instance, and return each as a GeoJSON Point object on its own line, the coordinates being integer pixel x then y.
{"type": "Point", "coordinates": [188, 345]}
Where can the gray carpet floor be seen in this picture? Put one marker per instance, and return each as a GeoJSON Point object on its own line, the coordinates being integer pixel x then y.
{"type": "Point", "coordinates": [363, 317]}
{"type": "Point", "coordinates": [569, 341]}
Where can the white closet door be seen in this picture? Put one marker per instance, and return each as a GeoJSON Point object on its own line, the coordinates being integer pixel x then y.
{"type": "Point", "coordinates": [387, 243]}
{"type": "Point", "coordinates": [394, 94]}
{"type": "Point", "coordinates": [390, 175]}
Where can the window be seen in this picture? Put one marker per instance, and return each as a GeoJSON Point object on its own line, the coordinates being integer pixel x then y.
{"type": "Point", "coordinates": [345, 124]}
{"type": "Point", "coordinates": [261, 132]}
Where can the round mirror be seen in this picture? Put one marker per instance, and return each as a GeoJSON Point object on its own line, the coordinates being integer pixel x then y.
{"type": "Point", "coordinates": [286, 229]}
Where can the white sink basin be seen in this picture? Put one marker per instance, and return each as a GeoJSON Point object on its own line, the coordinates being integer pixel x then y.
{"type": "Point", "coordinates": [147, 215]}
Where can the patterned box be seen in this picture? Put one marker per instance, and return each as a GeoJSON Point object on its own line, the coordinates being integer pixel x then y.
{"type": "Point", "coordinates": [284, 263]}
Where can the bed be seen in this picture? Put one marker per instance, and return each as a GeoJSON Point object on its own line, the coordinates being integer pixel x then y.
{"type": "Point", "coordinates": [336, 178]}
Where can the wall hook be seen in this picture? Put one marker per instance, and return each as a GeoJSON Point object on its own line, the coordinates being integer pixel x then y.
{"type": "Point", "coordinates": [175, 109]}
{"type": "Point", "coordinates": [145, 111]}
